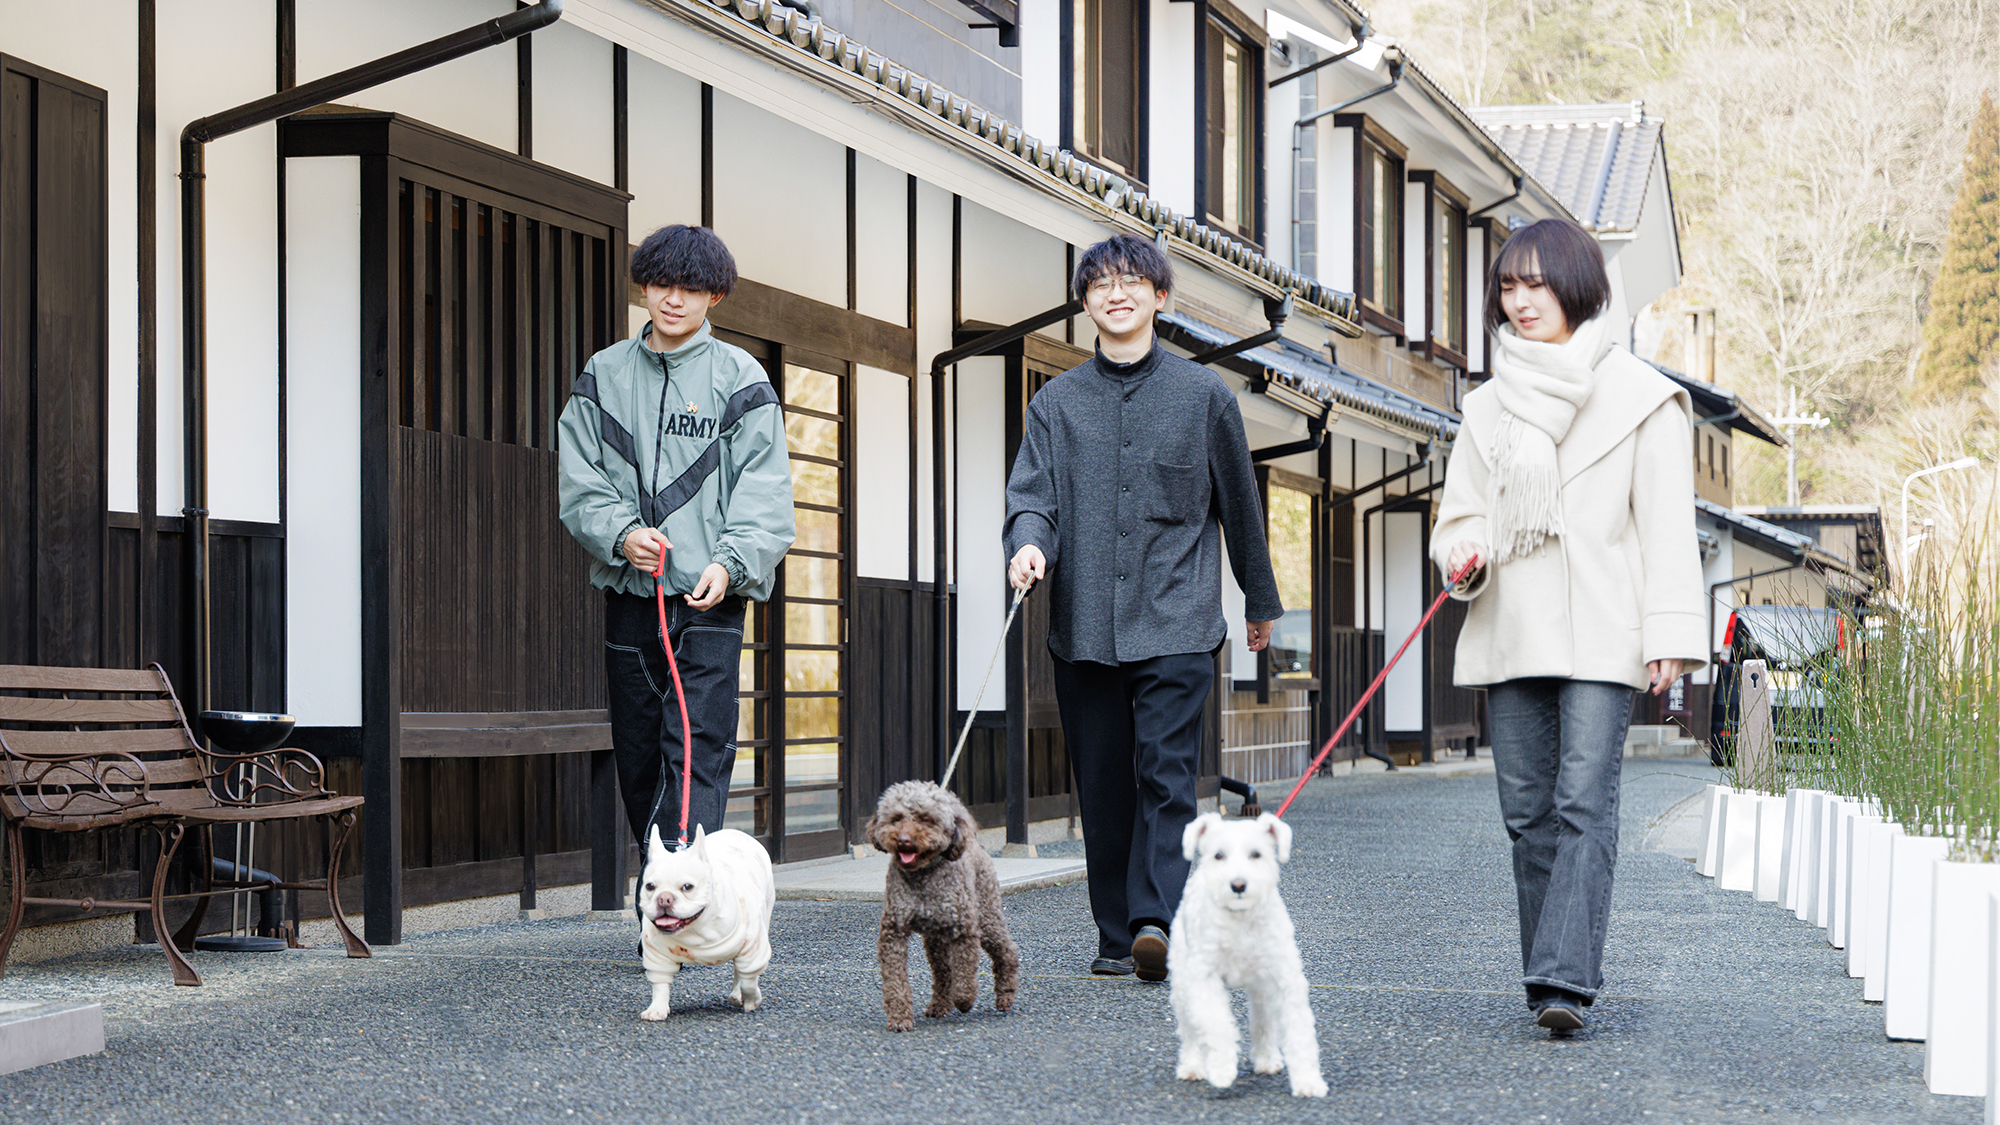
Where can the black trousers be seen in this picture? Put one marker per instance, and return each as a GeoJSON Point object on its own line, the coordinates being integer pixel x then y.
{"type": "Point", "coordinates": [1134, 737]}
{"type": "Point", "coordinates": [646, 718]}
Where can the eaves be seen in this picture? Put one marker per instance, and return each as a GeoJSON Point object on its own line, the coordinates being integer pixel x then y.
{"type": "Point", "coordinates": [807, 48]}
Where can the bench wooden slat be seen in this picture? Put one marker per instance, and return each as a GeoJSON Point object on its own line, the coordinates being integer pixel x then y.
{"type": "Point", "coordinates": [146, 741]}
{"type": "Point", "coordinates": [167, 771]}
{"type": "Point", "coordinates": [14, 708]}
{"type": "Point", "coordinates": [29, 677]}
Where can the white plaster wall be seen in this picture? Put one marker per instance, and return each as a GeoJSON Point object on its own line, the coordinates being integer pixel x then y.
{"type": "Point", "coordinates": [1170, 124]}
{"type": "Point", "coordinates": [781, 201]}
{"type": "Point", "coordinates": [1281, 110]}
{"type": "Point", "coordinates": [1242, 662]}
{"type": "Point", "coordinates": [205, 66]}
{"type": "Point", "coordinates": [881, 474]}
{"type": "Point", "coordinates": [1403, 590]}
{"type": "Point", "coordinates": [934, 329]}
{"type": "Point", "coordinates": [1041, 69]}
{"type": "Point", "coordinates": [1416, 279]}
{"type": "Point", "coordinates": [1336, 207]}
{"type": "Point", "coordinates": [665, 123]}
{"type": "Point", "coordinates": [46, 35]}
{"type": "Point", "coordinates": [323, 537]}
{"type": "Point", "coordinates": [1011, 271]}
{"type": "Point", "coordinates": [572, 102]}
{"type": "Point", "coordinates": [882, 239]}
{"type": "Point", "coordinates": [474, 96]}
{"type": "Point", "coordinates": [981, 508]}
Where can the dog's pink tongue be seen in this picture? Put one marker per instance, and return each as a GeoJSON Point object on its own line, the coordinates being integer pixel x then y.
{"type": "Point", "coordinates": [906, 858]}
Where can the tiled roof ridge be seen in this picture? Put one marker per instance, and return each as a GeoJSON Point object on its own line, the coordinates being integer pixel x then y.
{"type": "Point", "coordinates": [813, 37]}
{"type": "Point", "coordinates": [1564, 115]}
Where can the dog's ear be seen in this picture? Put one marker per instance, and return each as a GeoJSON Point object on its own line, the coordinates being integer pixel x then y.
{"type": "Point", "coordinates": [700, 844]}
{"type": "Point", "coordinates": [1191, 835]}
{"type": "Point", "coordinates": [964, 834]}
{"type": "Point", "coordinates": [1281, 836]}
{"type": "Point", "coordinates": [656, 848]}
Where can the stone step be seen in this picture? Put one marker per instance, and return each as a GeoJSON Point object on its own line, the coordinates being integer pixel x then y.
{"type": "Point", "coordinates": [34, 1032]}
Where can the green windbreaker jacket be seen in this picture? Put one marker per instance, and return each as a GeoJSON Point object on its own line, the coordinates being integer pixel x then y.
{"type": "Point", "coordinates": [692, 442]}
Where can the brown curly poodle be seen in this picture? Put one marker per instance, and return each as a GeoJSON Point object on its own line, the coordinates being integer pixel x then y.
{"type": "Point", "coordinates": [941, 885]}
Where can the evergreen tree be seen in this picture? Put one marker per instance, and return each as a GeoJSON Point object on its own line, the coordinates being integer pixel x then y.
{"type": "Point", "coordinates": [1962, 329]}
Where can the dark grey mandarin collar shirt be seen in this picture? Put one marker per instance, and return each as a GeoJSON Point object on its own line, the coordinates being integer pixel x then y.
{"type": "Point", "coordinates": [1129, 478]}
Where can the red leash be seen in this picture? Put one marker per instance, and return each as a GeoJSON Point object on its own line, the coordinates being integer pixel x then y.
{"type": "Point", "coordinates": [1377, 685]}
{"type": "Point", "coordinates": [680, 695]}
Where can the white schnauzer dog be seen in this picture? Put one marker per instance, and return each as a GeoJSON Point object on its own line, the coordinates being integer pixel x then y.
{"type": "Point", "coordinates": [1231, 931]}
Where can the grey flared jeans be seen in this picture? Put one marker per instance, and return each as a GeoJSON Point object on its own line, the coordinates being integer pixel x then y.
{"type": "Point", "coordinates": [1557, 749]}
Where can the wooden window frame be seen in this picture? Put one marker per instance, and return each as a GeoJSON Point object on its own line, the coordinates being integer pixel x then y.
{"type": "Point", "coordinates": [1386, 316]}
{"type": "Point", "coordinates": [1494, 231]}
{"type": "Point", "coordinates": [1232, 21]}
{"type": "Point", "coordinates": [1142, 67]}
{"type": "Point", "coordinates": [1438, 190]}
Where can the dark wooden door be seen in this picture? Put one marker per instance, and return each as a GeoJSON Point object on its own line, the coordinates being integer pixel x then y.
{"type": "Point", "coordinates": [53, 374]}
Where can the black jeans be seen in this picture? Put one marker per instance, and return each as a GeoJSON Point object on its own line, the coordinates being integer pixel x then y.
{"type": "Point", "coordinates": [1558, 746]}
{"type": "Point", "coordinates": [1134, 736]}
{"type": "Point", "coordinates": [646, 718]}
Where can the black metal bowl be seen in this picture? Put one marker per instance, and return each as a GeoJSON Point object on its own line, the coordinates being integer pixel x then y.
{"type": "Point", "coordinates": [246, 732]}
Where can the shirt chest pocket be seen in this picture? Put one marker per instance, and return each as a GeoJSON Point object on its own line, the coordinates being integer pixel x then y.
{"type": "Point", "coordinates": [1179, 493]}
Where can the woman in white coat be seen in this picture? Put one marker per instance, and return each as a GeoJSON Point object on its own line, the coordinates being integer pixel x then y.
{"type": "Point", "coordinates": [1572, 486]}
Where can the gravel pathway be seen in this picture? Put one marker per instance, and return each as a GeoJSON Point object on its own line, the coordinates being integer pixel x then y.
{"type": "Point", "coordinates": [1719, 1009]}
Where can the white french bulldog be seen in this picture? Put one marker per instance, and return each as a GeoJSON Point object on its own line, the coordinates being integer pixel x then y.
{"type": "Point", "coordinates": [706, 904]}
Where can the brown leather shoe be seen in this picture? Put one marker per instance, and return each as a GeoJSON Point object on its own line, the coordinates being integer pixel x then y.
{"type": "Point", "coordinates": [1149, 954]}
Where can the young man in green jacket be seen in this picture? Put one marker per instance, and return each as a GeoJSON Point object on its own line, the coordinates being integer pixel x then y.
{"type": "Point", "coordinates": [673, 444]}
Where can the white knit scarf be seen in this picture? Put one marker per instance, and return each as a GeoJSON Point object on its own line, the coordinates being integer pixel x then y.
{"type": "Point", "coordinates": [1541, 387]}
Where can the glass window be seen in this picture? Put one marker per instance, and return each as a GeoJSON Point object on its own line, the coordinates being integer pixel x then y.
{"type": "Point", "coordinates": [1234, 94]}
{"type": "Point", "coordinates": [1104, 82]}
{"type": "Point", "coordinates": [1291, 536]}
{"type": "Point", "coordinates": [1448, 254]}
{"type": "Point", "coordinates": [815, 573]}
{"type": "Point", "coordinates": [1380, 246]}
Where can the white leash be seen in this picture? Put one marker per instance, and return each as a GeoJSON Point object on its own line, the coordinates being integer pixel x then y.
{"type": "Point", "coordinates": [973, 713]}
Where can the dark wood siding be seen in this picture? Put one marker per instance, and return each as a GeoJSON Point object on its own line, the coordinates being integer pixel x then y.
{"type": "Point", "coordinates": [890, 696]}
{"type": "Point", "coordinates": [53, 372]}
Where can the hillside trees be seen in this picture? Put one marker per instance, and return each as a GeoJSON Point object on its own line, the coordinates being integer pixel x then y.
{"type": "Point", "coordinates": [1962, 327]}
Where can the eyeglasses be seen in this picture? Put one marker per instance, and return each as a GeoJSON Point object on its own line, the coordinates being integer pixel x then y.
{"type": "Point", "coordinates": [1129, 282]}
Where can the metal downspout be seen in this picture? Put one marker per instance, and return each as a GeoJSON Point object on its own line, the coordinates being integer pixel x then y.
{"type": "Point", "coordinates": [195, 581]}
{"type": "Point", "coordinates": [1299, 127]}
{"type": "Point", "coordinates": [1520, 182]}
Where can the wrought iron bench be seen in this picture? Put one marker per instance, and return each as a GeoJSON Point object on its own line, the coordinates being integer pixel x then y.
{"type": "Point", "coordinates": [83, 749]}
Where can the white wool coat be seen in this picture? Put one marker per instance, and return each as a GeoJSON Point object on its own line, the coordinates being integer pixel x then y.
{"type": "Point", "coordinates": [1621, 584]}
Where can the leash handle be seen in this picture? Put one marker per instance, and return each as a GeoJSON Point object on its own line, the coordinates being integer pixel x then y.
{"type": "Point", "coordinates": [973, 713]}
{"type": "Point", "coordinates": [680, 694]}
{"type": "Point", "coordinates": [1470, 565]}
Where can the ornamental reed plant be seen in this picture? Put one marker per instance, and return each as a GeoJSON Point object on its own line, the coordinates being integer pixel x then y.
{"type": "Point", "coordinates": [1910, 703]}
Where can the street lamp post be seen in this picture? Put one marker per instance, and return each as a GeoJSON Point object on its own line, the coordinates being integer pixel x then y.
{"type": "Point", "coordinates": [1961, 463]}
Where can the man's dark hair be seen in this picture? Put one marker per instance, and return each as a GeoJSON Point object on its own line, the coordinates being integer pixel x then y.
{"type": "Point", "coordinates": [1560, 255]}
{"type": "Point", "coordinates": [686, 257]}
{"type": "Point", "coordinates": [1119, 255]}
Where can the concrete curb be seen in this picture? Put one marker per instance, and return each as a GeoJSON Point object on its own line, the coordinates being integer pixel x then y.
{"type": "Point", "coordinates": [32, 1034]}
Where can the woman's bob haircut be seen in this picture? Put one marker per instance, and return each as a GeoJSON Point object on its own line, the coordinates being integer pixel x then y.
{"type": "Point", "coordinates": [1556, 253]}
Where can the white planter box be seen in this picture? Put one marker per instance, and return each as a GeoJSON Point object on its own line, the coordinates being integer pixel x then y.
{"type": "Point", "coordinates": [1854, 904]}
{"type": "Point", "coordinates": [1711, 829]}
{"type": "Point", "coordinates": [1906, 991]}
{"type": "Point", "coordinates": [1737, 859]}
{"type": "Point", "coordinates": [1770, 847]}
{"type": "Point", "coordinates": [1829, 820]}
{"type": "Point", "coordinates": [1796, 801]}
{"type": "Point", "coordinates": [1843, 849]}
{"type": "Point", "coordinates": [1875, 911]}
{"type": "Point", "coordinates": [1808, 873]}
{"type": "Point", "coordinates": [1955, 1047]}
{"type": "Point", "coordinates": [1993, 1013]}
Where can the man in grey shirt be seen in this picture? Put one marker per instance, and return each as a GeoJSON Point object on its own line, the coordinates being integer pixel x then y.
{"type": "Point", "coordinates": [1132, 472]}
